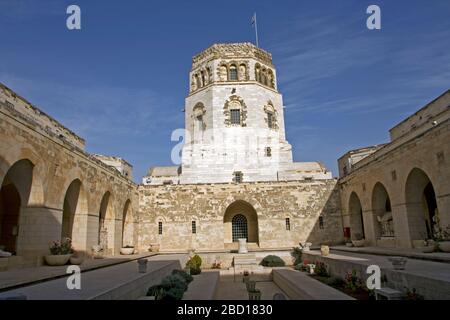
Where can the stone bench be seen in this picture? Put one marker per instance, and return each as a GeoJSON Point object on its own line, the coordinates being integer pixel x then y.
{"type": "Point", "coordinates": [299, 286]}
{"type": "Point", "coordinates": [204, 286]}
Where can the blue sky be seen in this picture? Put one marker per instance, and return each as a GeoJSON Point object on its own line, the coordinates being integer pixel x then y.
{"type": "Point", "coordinates": [121, 81]}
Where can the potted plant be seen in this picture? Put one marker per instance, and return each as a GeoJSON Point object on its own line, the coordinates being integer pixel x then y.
{"type": "Point", "coordinates": [60, 252]}
{"type": "Point", "coordinates": [76, 258]}
{"type": "Point", "coordinates": [127, 250]}
{"type": "Point", "coordinates": [154, 247]}
{"type": "Point", "coordinates": [358, 241]}
{"type": "Point", "coordinates": [305, 247]}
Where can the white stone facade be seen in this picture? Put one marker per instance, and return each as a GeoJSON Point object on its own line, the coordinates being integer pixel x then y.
{"type": "Point", "coordinates": [234, 121]}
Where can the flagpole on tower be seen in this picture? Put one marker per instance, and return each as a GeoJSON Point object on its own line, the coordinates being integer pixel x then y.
{"type": "Point", "coordinates": [255, 23]}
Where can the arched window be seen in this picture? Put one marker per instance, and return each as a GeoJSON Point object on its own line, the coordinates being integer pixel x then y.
{"type": "Point", "coordinates": [271, 118]}
{"type": "Point", "coordinates": [233, 73]}
{"type": "Point", "coordinates": [271, 79]}
{"type": "Point", "coordinates": [243, 72]}
{"type": "Point", "coordinates": [198, 81]}
{"type": "Point", "coordinates": [235, 112]}
{"type": "Point", "coordinates": [235, 116]}
{"type": "Point", "coordinates": [264, 77]}
{"type": "Point", "coordinates": [239, 227]}
{"type": "Point", "coordinates": [257, 73]}
{"type": "Point", "coordinates": [203, 78]}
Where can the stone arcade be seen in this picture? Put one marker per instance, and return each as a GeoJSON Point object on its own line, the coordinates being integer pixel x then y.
{"type": "Point", "coordinates": [237, 178]}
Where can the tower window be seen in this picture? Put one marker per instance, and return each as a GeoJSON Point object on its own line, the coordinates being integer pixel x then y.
{"type": "Point", "coordinates": [194, 227]}
{"type": "Point", "coordinates": [235, 116]}
{"type": "Point", "coordinates": [288, 224]}
{"type": "Point", "coordinates": [321, 224]}
{"type": "Point", "coordinates": [233, 73]}
{"type": "Point", "coordinates": [238, 177]}
{"type": "Point", "coordinates": [268, 152]}
{"type": "Point", "coordinates": [270, 120]}
{"type": "Point", "coordinates": [160, 228]}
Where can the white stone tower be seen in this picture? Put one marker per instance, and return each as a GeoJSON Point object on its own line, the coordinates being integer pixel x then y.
{"type": "Point", "coordinates": [234, 118]}
{"type": "Point", "coordinates": [234, 121]}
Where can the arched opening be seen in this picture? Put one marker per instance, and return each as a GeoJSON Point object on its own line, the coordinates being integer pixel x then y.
{"type": "Point", "coordinates": [233, 73]}
{"type": "Point", "coordinates": [421, 205]}
{"type": "Point", "coordinates": [14, 195]}
{"type": "Point", "coordinates": [127, 225]}
{"type": "Point", "coordinates": [105, 218]}
{"type": "Point", "coordinates": [381, 206]}
{"type": "Point", "coordinates": [257, 73]}
{"type": "Point", "coordinates": [198, 81]}
{"type": "Point", "coordinates": [240, 221]}
{"type": "Point", "coordinates": [356, 217]}
{"type": "Point", "coordinates": [75, 204]}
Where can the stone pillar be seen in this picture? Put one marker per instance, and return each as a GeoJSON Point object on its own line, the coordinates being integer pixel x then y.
{"type": "Point", "coordinates": [402, 234]}
{"type": "Point", "coordinates": [243, 246]}
{"type": "Point", "coordinates": [369, 221]}
{"type": "Point", "coordinates": [38, 228]}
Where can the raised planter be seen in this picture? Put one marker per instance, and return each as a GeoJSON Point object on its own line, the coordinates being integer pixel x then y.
{"type": "Point", "coordinates": [126, 250]}
{"type": "Point", "coordinates": [398, 262]}
{"type": "Point", "coordinates": [427, 249]}
{"type": "Point", "coordinates": [444, 246]}
{"type": "Point", "coordinates": [154, 247]}
{"type": "Point", "coordinates": [358, 243]}
{"type": "Point", "coordinates": [57, 260]}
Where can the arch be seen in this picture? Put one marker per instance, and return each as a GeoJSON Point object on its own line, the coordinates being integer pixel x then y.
{"type": "Point", "coordinates": [106, 219]}
{"type": "Point", "coordinates": [233, 73]}
{"type": "Point", "coordinates": [240, 217]}
{"type": "Point", "coordinates": [14, 195]}
{"type": "Point", "coordinates": [263, 76]}
{"type": "Point", "coordinates": [381, 206]}
{"type": "Point", "coordinates": [239, 117]}
{"type": "Point", "coordinates": [75, 206]}
{"type": "Point", "coordinates": [198, 83]}
{"type": "Point", "coordinates": [257, 72]}
{"type": "Point", "coordinates": [421, 205]}
{"type": "Point", "coordinates": [356, 217]}
{"type": "Point", "coordinates": [243, 72]}
{"type": "Point", "coordinates": [223, 72]}
{"type": "Point", "coordinates": [127, 225]}
{"type": "Point", "coordinates": [271, 79]}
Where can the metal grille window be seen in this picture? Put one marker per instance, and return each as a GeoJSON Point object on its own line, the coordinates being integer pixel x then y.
{"type": "Point", "coordinates": [238, 177]}
{"type": "Point", "coordinates": [160, 227]}
{"type": "Point", "coordinates": [194, 227]}
{"type": "Point", "coordinates": [239, 227]}
{"type": "Point", "coordinates": [288, 224]}
{"type": "Point", "coordinates": [233, 73]}
{"type": "Point", "coordinates": [270, 120]}
{"type": "Point", "coordinates": [321, 225]}
{"type": "Point", "coordinates": [235, 115]}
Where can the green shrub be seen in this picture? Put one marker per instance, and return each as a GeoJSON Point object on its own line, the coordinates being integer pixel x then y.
{"type": "Point", "coordinates": [187, 277]}
{"type": "Point", "coordinates": [321, 270]}
{"type": "Point", "coordinates": [272, 261]}
{"type": "Point", "coordinates": [352, 281]}
{"type": "Point", "coordinates": [172, 287]}
{"type": "Point", "coordinates": [297, 255]}
{"type": "Point", "coordinates": [195, 271]}
{"type": "Point", "coordinates": [194, 264]}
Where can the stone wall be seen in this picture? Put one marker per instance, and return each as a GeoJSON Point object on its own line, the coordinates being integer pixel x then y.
{"type": "Point", "coordinates": [41, 168]}
{"type": "Point", "coordinates": [176, 206]}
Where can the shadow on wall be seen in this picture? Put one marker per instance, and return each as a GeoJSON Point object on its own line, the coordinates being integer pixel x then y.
{"type": "Point", "coordinates": [328, 227]}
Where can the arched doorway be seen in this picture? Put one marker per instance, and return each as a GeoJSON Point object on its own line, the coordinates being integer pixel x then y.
{"type": "Point", "coordinates": [240, 221]}
{"type": "Point", "coordinates": [75, 205]}
{"type": "Point", "coordinates": [356, 217]}
{"type": "Point", "coordinates": [421, 205]}
{"type": "Point", "coordinates": [14, 195]}
{"type": "Point", "coordinates": [127, 225]}
{"type": "Point", "coordinates": [381, 206]}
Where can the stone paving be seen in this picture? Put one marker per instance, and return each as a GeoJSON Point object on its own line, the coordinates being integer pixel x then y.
{"type": "Point", "coordinates": [22, 276]}
{"type": "Point", "coordinates": [104, 283]}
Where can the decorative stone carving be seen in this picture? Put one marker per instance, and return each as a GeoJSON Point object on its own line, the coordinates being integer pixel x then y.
{"type": "Point", "coordinates": [235, 102]}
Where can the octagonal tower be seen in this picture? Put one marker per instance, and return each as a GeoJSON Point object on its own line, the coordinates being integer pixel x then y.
{"type": "Point", "coordinates": [234, 118]}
